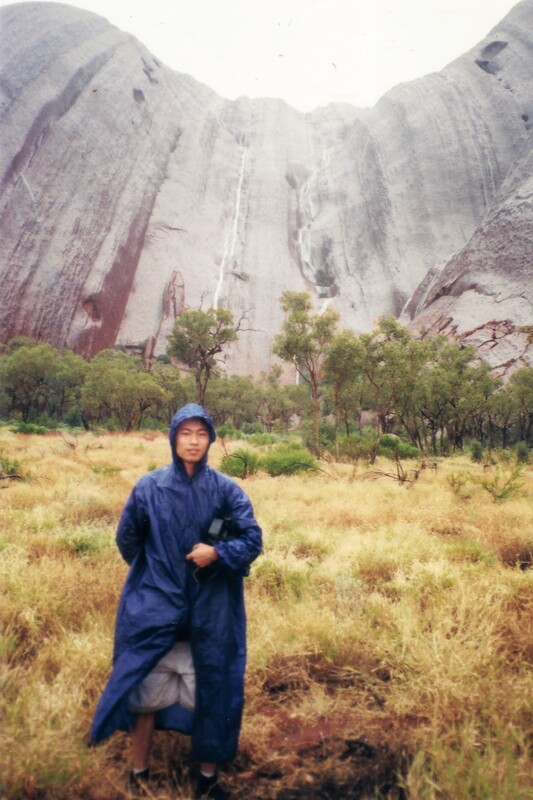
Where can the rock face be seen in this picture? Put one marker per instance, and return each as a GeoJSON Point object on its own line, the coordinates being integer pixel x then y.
{"type": "Point", "coordinates": [129, 191]}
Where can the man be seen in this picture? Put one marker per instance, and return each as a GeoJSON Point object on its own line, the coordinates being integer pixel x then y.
{"type": "Point", "coordinates": [180, 636]}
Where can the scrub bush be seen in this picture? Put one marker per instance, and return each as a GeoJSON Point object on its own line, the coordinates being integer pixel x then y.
{"type": "Point", "coordinates": [8, 467]}
{"type": "Point", "coordinates": [262, 439]}
{"type": "Point", "coordinates": [326, 435]}
{"type": "Point", "coordinates": [358, 446]}
{"type": "Point", "coordinates": [476, 452]}
{"type": "Point", "coordinates": [252, 427]}
{"type": "Point", "coordinates": [522, 453]}
{"type": "Point", "coordinates": [287, 460]}
{"type": "Point", "coordinates": [29, 428]}
{"type": "Point", "coordinates": [227, 431]}
{"type": "Point", "coordinates": [392, 447]}
{"type": "Point", "coordinates": [503, 485]}
{"type": "Point", "coordinates": [240, 464]}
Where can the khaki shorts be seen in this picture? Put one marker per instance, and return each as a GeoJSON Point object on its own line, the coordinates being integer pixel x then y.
{"type": "Point", "coordinates": [171, 681]}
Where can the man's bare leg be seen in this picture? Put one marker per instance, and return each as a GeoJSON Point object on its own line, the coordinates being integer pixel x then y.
{"type": "Point", "coordinates": [141, 740]}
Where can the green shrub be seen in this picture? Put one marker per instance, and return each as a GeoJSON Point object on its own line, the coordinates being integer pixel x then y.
{"type": "Point", "coordinates": [280, 581]}
{"type": "Point", "coordinates": [504, 456]}
{"type": "Point", "coordinates": [251, 427]}
{"type": "Point", "coordinates": [29, 428]}
{"type": "Point", "coordinates": [522, 453]}
{"type": "Point", "coordinates": [240, 464]}
{"type": "Point", "coordinates": [503, 485]}
{"type": "Point", "coordinates": [153, 424]}
{"type": "Point", "coordinates": [73, 418]}
{"type": "Point", "coordinates": [326, 435]}
{"type": "Point", "coordinates": [359, 445]}
{"type": "Point", "coordinates": [393, 447]}
{"type": "Point", "coordinates": [460, 483]}
{"type": "Point", "coordinates": [111, 425]}
{"type": "Point", "coordinates": [227, 431]}
{"type": "Point", "coordinates": [262, 439]}
{"type": "Point", "coordinates": [8, 466]}
{"type": "Point", "coordinates": [287, 460]}
{"type": "Point", "coordinates": [107, 472]}
{"type": "Point", "coordinates": [88, 542]}
{"type": "Point", "coordinates": [476, 452]}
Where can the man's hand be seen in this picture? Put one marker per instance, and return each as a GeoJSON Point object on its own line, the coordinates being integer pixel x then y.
{"type": "Point", "coordinates": [202, 555]}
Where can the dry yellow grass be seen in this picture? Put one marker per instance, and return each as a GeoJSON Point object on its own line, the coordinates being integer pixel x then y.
{"type": "Point", "coordinates": [390, 631]}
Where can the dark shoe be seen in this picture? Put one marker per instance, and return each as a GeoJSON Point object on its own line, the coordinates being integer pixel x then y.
{"type": "Point", "coordinates": [137, 782]}
{"type": "Point", "coordinates": [211, 788]}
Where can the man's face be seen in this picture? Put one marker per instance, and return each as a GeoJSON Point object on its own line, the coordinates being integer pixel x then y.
{"type": "Point", "coordinates": [192, 443]}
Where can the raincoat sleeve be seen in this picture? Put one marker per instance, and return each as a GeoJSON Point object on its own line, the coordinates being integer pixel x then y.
{"type": "Point", "coordinates": [132, 528]}
{"type": "Point", "coordinates": [237, 554]}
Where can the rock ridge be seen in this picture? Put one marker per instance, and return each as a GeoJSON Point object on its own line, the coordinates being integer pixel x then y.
{"type": "Point", "coordinates": [129, 191]}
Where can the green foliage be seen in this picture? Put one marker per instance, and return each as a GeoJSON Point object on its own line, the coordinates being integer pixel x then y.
{"type": "Point", "coordinates": [87, 542]}
{"type": "Point", "coordinates": [232, 401]}
{"type": "Point", "coordinates": [502, 456]}
{"type": "Point", "coordinates": [436, 392]}
{"type": "Point", "coordinates": [8, 467]}
{"type": "Point", "coordinates": [458, 483]}
{"type": "Point", "coordinates": [175, 392]}
{"type": "Point", "coordinates": [228, 431]}
{"type": "Point", "coordinates": [302, 341]}
{"type": "Point", "coordinates": [37, 379]}
{"type": "Point", "coordinates": [276, 403]}
{"type": "Point", "coordinates": [476, 452]}
{"type": "Point", "coordinates": [522, 453]}
{"type": "Point", "coordinates": [197, 338]}
{"type": "Point", "coordinates": [262, 439]}
{"type": "Point", "coordinates": [240, 464]}
{"type": "Point", "coordinates": [343, 378]}
{"type": "Point", "coordinates": [326, 436]}
{"type": "Point", "coordinates": [279, 581]}
{"type": "Point", "coordinates": [107, 472]}
{"type": "Point", "coordinates": [501, 485]}
{"type": "Point", "coordinates": [29, 428]}
{"type": "Point", "coordinates": [153, 424]}
{"type": "Point", "coordinates": [248, 428]}
{"type": "Point", "coordinates": [521, 388]}
{"type": "Point", "coordinates": [358, 446]}
{"type": "Point", "coordinates": [393, 447]}
{"type": "Point", "coordinates": [285, 459]}
{"type": "Point", "coordinates": [73, 417]}
{"type": "Point", "coordinates": [116, 388]}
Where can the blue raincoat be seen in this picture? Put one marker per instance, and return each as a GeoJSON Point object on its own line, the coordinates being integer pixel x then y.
{"type": "Point", "coordinates": [162, 602]}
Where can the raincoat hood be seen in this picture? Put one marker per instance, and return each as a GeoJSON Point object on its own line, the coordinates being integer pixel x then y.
{"type": "Point", "coordinates": [189, 411]}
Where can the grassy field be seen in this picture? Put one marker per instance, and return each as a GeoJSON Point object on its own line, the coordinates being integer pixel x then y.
{"type": "Point", "coordinates": [390, 629]}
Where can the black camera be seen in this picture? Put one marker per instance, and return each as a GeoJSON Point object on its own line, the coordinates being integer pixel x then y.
{"type": "Point", "coordinates": [221, 530]}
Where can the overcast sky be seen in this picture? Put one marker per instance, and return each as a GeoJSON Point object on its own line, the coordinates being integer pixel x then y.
{"type": "Point", "coordinates": [307, 52]}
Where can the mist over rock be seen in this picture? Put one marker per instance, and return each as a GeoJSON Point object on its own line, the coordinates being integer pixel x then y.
{"type": "Point", "coordinates": [129, 191]}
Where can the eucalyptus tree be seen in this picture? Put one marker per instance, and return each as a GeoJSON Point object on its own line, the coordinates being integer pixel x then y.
{"type": "Point", "coordinates": [521, 388]}
{"type": "Point", "coordinates": [116, 387]}
{"type": "Point", "coordinates": [302, 341]}
{"type": "Point", "coordinates": [234, 398]}
{"type": "Point", "coordinates": [198, 339]}
{"type": "Point", "coordinates": [278, 402]}
{"type": "Point", "coordinates": [386, 371]}
{"type": "Point", "coordinates": [175, 390]}
{"type": "Point", "coordinates": [343, 380]}
{"type": "Point", "coordinates": [27, 373]}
